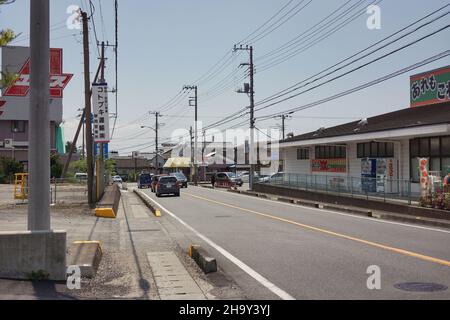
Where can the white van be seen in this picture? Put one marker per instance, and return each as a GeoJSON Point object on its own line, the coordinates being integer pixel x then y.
{"type": "Point", "coordinates": [81, 176]}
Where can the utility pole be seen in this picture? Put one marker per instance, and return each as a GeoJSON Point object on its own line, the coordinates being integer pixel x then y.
{"type": "Point", "coordinates": [195, 89]}
{"type": "Point", "coordinates": [192, 152]}
{"type": "Point", "coordinates": [252, 111]}
{"type": "Point", "coordinates": [284, 117]}
{"type": "Point", "coordinates": [39, 148]}
{"type": "Point", "coordinates": [88, 112]}
{"type": "Point", "coordinates": [101, 162]}
{"type": "Point", "coordinates": [156, 129]}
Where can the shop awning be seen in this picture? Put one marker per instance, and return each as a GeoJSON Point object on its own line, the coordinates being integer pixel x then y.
{"type": "Point", "coordinates": [175, 163]}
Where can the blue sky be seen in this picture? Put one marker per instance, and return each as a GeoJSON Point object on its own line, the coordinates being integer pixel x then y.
{"type": "Point", "coordinates": [167, 44]}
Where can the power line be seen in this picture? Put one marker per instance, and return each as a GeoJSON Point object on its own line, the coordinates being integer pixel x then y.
{"type": "Point", "coordinates": [364, 86]}
{"type": "Point", "coordinates": [274, 26]}
{"type": "Point", "coordinates": [355, 69]}
{"type": "Point", "coordinates": [279, 94]}
{"type": "Point", "coordinates": [281, 58]}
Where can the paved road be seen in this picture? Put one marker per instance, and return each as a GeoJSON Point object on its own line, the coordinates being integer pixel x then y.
{"type": "Point", "coordinates": [277, 250]}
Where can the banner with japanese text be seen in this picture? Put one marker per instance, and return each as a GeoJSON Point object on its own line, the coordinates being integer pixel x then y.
{"type": "Point", "coordinates": [431, 87]}
{"type": "Point", "coordinates": [101, 113]}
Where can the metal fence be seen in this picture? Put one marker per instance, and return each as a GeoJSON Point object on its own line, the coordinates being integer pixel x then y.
{"type": "Point", "coordinates": [69, 191]}
{"type": "Point", "coordinates": [361, 187]}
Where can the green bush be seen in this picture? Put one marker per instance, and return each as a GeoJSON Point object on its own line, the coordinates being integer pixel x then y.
{"type": "Point", "coordinates": [8, 168]}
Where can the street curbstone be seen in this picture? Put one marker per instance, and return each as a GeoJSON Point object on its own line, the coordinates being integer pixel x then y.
{"type": "Point", "coordinates": [86, 255]}
{"type": "Point", "coordinates": [206, 263]}
{"type": "Point", "coordinates": [156, 211]}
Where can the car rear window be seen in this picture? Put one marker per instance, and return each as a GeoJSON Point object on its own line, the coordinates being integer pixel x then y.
{"type": "Point", "coordinates": [168, 179]}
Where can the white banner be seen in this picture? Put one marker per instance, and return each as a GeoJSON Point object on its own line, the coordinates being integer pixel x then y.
{"type": "Point", "coordinates": [101, 113]}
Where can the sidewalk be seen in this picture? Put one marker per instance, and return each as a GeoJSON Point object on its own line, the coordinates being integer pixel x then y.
{"type": "Point", "coordinates": [135, 245]}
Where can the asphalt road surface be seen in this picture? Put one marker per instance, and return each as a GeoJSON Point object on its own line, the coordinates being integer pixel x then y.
{"type": "Point", "coordinates": [282, 251]}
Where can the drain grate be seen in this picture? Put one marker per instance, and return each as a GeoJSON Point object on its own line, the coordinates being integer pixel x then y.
{"type": "Point", "coordinates": [421, 287]}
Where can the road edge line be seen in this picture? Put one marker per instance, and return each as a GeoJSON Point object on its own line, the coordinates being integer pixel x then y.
{"type": "Point", "coordinates": [252, 273]}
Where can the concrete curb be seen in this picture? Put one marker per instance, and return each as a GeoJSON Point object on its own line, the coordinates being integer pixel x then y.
{"type": "Point", "coordinates": [156, 211]}
{"type": "Point", "coordinates": [87, 256]}
{"type": "Point", "coordinates": [109, 204]}
{"type": "Point", "coordinates": [203, 259]}
{"type": "Point", "coordinates": [361, 212]}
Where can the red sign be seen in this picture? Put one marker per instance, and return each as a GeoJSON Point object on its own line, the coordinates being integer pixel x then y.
{"type": "Point", "coordinates": [329, 165]}
{"type": "Point", "coordinates": [2, 103]}
{"type": "Point", "coordinates": [58, 79]}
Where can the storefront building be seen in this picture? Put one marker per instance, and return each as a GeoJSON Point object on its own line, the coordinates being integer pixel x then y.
{"type": "Point", "coordinates": [388, 145]}
{"type": "Point", "coordinates": [384, 148]}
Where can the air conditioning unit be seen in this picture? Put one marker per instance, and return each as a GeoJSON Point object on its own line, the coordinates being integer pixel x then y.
{"type": "Point", "coordinates": [8, 143]}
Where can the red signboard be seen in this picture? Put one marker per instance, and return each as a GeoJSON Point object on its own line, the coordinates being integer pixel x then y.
{"type": "Point", "coordinates": [329, 165]}
{"type": "Point", "coordinates": [58, 79]}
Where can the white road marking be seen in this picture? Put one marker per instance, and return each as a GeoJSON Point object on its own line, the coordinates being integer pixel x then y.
{"type": "Point", "coordinates": [335, 212]}
{"type": "Point", "coordinates": [255, 275]}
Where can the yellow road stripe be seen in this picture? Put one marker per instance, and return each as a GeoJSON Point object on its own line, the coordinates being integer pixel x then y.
{"type": "Point", "coordinates": [369, 243]}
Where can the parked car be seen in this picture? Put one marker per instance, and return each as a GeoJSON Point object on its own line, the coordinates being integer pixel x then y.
{"type": "Point", "coordinates": [155, 180]}
{"type": "Point", "coordinates": [168, 185]}
{"type": "Point", "coordinates": [117, 179]}
{"type": "Point", "coordinates": [245, 176]}
{"type": "Point", "coordinates": [228, 177]}
{"type": "Point", "coordinates": [144, 181]}
{"type": "Point", "coordinates": [181, 178]}
{"type": "Point", "coordinates": [81, 176]}
{"type": "Point", "coordinates": [276, 177]}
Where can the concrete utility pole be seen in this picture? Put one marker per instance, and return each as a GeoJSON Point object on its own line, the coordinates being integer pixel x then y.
{"type": "Point", "coordinates": [252, 112]}
{"type": "Point", "coordinates": [195, 89]}
{"type": "Point", "coordinates": [88, 112]}
{"type": "Point", "coordinates": [39, 148]}
{"type": "Point", "coordinates": [191, 132]}
{"type": "Point", "coordinates": [101, 178]}
{"type": "Point", "coordinates": [156, 129]}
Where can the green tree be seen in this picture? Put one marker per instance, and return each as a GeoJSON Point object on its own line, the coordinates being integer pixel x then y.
{"type": "Point", "coordinates": [69, 146]}
{"type": "Point", "coordinates": [6, 36]}
{"type": "Point", "coordinates": [56, 166]}
{"type": "Point", "coordinates": [8, 168]}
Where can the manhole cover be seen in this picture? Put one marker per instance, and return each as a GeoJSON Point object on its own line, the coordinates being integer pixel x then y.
{"type": "Point", "coordinates": [421, 287]}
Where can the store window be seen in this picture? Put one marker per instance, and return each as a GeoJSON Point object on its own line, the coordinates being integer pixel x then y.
{"type": "Point", "coordinates": [436, 150]}
{"type": "Point", "coordinates": [331, 152]}
{"type": "Point", "coordinates": [303, 154]}
{"type": "Point", "coordinates": [375, 150]}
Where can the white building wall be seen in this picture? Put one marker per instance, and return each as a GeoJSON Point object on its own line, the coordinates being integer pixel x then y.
{"type": "Point", "coordinates": [401, 165]}
{"type": "Point", "coordinates": [292, 165]}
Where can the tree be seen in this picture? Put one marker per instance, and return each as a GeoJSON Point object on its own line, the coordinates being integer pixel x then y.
{"type": "Point", "coordinates": [8, 168]}
{"type": "Point", "coordinates": [6, 36]}
{"type": "Point", "coordinates": [56, 167]}
{"type": "Point", "coordinates": [69, 146]}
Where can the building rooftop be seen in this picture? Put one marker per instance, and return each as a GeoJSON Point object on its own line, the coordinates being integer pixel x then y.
{"type": "Point", "coordinates": [406, 118]}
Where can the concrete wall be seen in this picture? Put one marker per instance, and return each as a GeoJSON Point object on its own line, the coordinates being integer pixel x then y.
{"type": "Point", "coordinates": [27, 255]}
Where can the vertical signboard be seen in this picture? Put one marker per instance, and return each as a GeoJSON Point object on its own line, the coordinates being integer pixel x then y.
{"type": "Point", "coordinates": [431, 87]}
{"type": "Point", "coordinates": [101, 113]}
